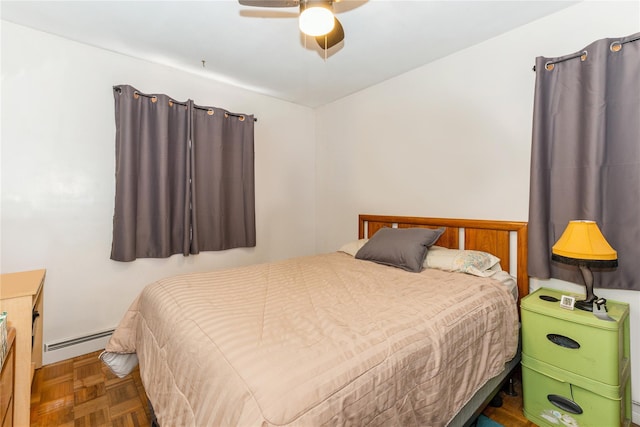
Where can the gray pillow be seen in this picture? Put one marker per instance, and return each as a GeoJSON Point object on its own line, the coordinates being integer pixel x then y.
{"type": "Point", "coordinates": [404, 248]}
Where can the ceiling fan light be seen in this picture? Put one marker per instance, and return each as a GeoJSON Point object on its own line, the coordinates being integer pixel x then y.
{"type": "Point", "coordinates": [316, 21]}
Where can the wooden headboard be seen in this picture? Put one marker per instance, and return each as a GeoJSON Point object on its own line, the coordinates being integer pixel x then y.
{"type": "Point", "coordinates": [496, 237]}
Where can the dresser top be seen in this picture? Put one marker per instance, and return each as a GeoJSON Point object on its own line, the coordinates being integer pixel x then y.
{"type": "Point", "coordinates": [15, 285]}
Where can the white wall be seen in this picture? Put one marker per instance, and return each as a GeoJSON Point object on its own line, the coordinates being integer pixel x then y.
{"type": "Point", "coordinates": [453, 138]}
{"type": "Point", "coordinates": [58, 139]}
{"type": "Point", "coordinates": [388, 149]}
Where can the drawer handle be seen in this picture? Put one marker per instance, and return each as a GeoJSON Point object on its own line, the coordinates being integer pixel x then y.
{"type": "Point", "coordinates": [564, 403]}
{"type": "Point", "coordinates": [563, 341]}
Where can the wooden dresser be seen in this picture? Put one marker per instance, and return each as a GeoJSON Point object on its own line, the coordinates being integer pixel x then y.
{"type": "Point", "coordinates": [7, 381]}
{"type": "Point", "coordinates": [21, 296]}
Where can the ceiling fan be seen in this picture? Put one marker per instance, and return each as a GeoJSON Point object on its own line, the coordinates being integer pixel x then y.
{"type": "Point", "coordinates": [316, 18]}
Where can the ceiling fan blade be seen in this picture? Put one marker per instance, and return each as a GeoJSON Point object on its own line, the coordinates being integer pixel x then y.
{"type": "Point", "coordinates": [268, 13]}
{"type": "Point", "coordinates": [270, 3]}
{"type": "Point", "coordinates": [340, 6]}
{"type": "Point", "coordinates": [331, 39]}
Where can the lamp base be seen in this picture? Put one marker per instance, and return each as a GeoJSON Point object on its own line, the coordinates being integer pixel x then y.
{"type": "Point", "coordinates": [586, 305]}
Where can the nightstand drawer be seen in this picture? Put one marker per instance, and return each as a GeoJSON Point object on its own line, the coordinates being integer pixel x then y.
{"type": "Point", "coordinates": [553, 401]}
{"type": "Point", "coordinates": [576, 341]}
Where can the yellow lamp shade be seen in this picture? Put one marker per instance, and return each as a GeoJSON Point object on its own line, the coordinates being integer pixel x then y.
{"type": "Point", "coordinates": [583, 240]}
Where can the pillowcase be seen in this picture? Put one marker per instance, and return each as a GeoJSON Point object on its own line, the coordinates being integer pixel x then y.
{"type": "Point", "coordinates": [352, 248]}
{"type": "Point", "coordinates": [477, 263]}
{"type": "Point", "coordinates": [405, 248]}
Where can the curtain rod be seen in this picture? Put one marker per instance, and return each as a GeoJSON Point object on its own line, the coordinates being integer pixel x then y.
{"type": "Point", "coordinates": [582, 55]}
{"type": "Point", "coordinates": [116, 88]}
{"type": "Point", "coordinates": [613, 47]}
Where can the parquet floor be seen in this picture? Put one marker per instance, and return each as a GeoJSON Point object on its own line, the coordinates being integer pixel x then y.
{"type": "Point", "coordinates": [82, 392]}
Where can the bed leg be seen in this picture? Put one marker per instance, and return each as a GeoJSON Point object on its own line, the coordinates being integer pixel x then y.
{"type": "Point", "coordinates": [509, 388]}
{"type": "Point", "coordinates": [496, 402]}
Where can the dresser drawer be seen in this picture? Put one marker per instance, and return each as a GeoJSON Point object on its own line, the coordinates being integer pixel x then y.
{"type": "Point", "coordinates": [7, 383]}
{"type": "Point", "coordinates": [576, 341]}
{"type": "Point", "coordinates": [553, 401]}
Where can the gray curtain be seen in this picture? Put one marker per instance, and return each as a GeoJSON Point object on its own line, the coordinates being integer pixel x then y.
{"type": "Point", "coordinates": [151, 215]}
{"type": "Point", "coordinates": [223, 181]}
{"type": "Point", "coordinates": [177, 193]}
{"type": "Point", "coordinates": [585, 159]}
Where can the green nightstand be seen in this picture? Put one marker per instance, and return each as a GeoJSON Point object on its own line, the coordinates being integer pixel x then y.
{"type": "Point", "coordinates": [575, 366]}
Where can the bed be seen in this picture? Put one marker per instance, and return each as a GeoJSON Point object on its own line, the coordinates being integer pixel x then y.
{"type": "Point", "coordinates": [333, 339]}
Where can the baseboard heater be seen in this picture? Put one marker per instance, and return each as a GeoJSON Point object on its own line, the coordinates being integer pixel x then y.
{"type": "Point", "coordinates": [79, 340]}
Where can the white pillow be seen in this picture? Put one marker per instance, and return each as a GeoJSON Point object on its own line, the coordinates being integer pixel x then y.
{"type": "Point", "coordinates": [352, 248]}
{"type": "Point", "coordinates": [477, 263]}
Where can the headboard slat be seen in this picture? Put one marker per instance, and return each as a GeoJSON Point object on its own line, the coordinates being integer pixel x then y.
{"type": "Point", "coordinates": [493, 241]}
{"type": "Point", "coordinates": [449, 239]}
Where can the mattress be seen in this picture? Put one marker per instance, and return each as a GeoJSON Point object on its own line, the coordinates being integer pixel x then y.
{"type": "Point", "coordinates": [320, 340]}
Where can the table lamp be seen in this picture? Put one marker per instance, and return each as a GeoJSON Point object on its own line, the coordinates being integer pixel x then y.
{"type": "Point", "coordinates": [583, 244]}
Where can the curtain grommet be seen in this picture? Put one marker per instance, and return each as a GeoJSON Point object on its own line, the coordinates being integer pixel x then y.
{"type": "Point", "coordinates": [210, 112]}
{"type": "Point", "coordinates": [136, 95]}
{"type": "Point", "coordinates": [615, 46]}
{"type": "Point", "coordinates": [549, 66]}
{"type": "Point", "coordinates": [241, 118]}
{"type": "Point", "coordinates": [154, 99]}
{"type": "Point", "coordinates": [584, 55]}
{"type": "Point", "coordinates": [170, 103]}
{"type": "Point", "coordinates": [226, 115]}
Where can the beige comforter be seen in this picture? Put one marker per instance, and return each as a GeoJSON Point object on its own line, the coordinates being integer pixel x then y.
{"type": "Point", "coordinates": [312, 341]}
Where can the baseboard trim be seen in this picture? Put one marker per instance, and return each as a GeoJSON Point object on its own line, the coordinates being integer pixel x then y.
{"type": "Point", "coordinates": [78, 340]}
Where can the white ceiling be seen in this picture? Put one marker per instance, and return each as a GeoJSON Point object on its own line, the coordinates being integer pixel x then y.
{"type": "Point", "coordinates": [262, 49]}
